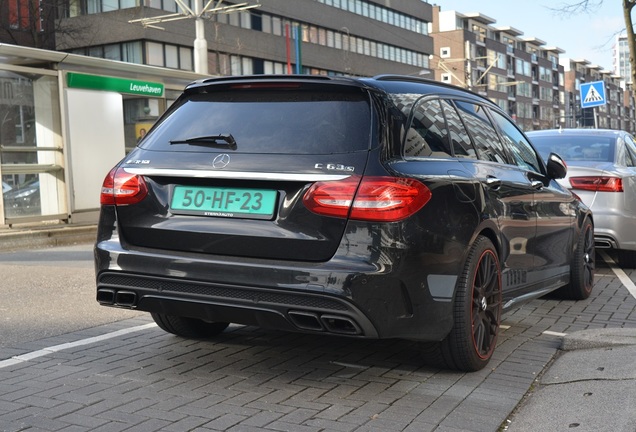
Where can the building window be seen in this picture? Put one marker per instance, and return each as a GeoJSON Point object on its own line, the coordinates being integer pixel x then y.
{"type": "Point", "coordinates": [154, 53]}
{"type": "Point", "coordinates": [445, 52]}
{"type": "Point", "coordinates": [130, 52]}
{"type": "Point", "coordinates": [380, 13]}
{"type": "Point", "coordinates": [24, 14]}
{"type": "Point", "coordinates": [84, 7]}
{"type": "Point", "coordinates": [167, 5]}
{"type": "Point", "coordinates": [170, 56]}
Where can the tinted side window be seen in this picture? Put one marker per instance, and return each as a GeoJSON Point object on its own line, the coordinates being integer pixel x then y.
{"type": "Point", "coordinates": [517, 144]}
{"type": "Point", "coordinates": [427, 135]}
{"type": "Point", "coordinates": [631, 151]}
{"type": "Point", "coordinates": [484, 136]}
{"type": "Point", "coordinates": [460, 141]}
{"type": "Point", "coordinates": [629, 159]}
{"type": "Point", "coordinates": [622, 156]}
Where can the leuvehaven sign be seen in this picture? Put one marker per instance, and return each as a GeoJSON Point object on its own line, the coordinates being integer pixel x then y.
{"type": "Point", "coordinates": [146, 88]}
{"type": "Point", "coordinates": [120, 85]}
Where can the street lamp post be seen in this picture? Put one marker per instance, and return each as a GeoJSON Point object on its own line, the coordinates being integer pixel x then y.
{"type": "Point", "coordinates": [200, 43]}
{"type": "Point", "coordinates": [200, 12]}
{"type": "Point", "coordinates": [346, 52]}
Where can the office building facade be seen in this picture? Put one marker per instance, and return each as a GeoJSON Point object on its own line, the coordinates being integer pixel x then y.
{"type": "Point", "coordinates": [331, 37]}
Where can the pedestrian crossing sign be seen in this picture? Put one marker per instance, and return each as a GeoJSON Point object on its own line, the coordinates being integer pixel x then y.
{"type": "Point", "coordinates": [593, 94]}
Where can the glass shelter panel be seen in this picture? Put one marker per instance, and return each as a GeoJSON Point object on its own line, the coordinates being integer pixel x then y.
{"type": "Point", "coordinates": [30, 147]}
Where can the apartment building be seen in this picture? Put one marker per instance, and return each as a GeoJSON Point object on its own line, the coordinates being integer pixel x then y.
{"type": "Point", "coordinates": [617, 113]}
{"type": "Point", "coordinates": [620, 55]}
{"type": "Point", "coordinates": [521, 74]}
{"type": "Point", "coordinates": [528, 78]}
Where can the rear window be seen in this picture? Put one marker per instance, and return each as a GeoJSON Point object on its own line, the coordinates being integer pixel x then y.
{"type": "Point", "coordinates": [575, 148]}
{"type": "Point", "coordinates": [270, 122]}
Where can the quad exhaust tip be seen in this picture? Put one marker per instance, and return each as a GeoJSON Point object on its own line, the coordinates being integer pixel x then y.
{"type": "Point", "coordinates": [303, 320]}
{"type": "Point", "coordinates": [111, 297]}
{"type": "Point", "coordinates": [106, 296]}
{"type": "Point", "coordinates": [324, 323]}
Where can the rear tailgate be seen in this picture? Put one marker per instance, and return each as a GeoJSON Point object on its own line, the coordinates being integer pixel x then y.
{"type": "Point", "coordinates": [237, 188]}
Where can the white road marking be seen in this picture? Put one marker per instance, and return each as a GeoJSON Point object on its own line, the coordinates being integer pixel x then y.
{"type": "Point", "coordinates": [622, 276]}
{"type": "Point", "coordinates": [45, 351]}
{"type": "Point", "coordinates": [349, 365]}
{"type": "Point", "coordinates": [551, 333]}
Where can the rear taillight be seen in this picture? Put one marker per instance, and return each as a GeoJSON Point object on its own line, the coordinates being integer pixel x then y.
{"type": "Point", "coordinates": [384, 199]}
{"type": "Point", "coordinates": [597, 184]}
{"type": "Point", "coordinates": [122, 188]}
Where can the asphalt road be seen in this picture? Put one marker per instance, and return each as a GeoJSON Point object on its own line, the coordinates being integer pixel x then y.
{"type": "Point", "coordinates": [49, 292]}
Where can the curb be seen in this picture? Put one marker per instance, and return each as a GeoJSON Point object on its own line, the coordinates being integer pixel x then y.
{"type": "Point", "coordinates": [598, 338]}
{"type": "Point", "coordinates": [30, 238]}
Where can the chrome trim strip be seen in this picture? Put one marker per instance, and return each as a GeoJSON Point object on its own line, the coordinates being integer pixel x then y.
{"type": "Point", "coordinates": [239, 175]}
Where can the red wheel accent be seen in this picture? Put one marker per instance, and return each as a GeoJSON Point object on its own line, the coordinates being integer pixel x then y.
{"type": "Point", "coordinates": [486, 304]}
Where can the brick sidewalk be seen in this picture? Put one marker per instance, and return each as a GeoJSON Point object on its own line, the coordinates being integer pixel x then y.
{"type": "Point", "coordinates": [249, 379]}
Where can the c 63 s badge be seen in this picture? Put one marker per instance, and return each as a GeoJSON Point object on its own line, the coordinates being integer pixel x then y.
{"type": "Point", "coordinates": [334, 167]}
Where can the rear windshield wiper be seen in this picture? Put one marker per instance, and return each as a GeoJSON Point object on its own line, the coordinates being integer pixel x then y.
{"type": "Point", "coordinates": [221, 140]}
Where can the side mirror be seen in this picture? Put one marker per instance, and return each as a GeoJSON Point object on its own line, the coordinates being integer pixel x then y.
{"type": "Point", "coordinates": [557, 168]}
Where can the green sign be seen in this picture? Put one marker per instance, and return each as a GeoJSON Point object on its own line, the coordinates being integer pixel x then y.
{"type": "Point", "coordinates": [120, 85]}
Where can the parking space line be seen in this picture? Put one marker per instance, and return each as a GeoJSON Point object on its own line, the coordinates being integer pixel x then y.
{"type": "Point", "coordinates": [622, 276]}
{"type": "Point", "coordinates": [45, 351]}
{"type": "Point", "coordinates": [552, 333]}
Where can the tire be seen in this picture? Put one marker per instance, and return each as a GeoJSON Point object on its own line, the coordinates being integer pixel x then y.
{"type": "Point", "coordinates": [476, 312]}
{"type": "Point", "coordinates": [582, 266]}
{"type": "Point", "coordinates": [626, 258]}
{"type": "Point", "coordinates": [190, 328]}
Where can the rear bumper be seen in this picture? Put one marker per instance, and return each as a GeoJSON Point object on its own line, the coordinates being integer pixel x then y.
{"type": "Point", "coordinates": [355, 299]}
{"type": "Point", "coordinates": [269, 308]}
{"type": "Point", "coordinates": [614, 222]}
{"type": "Point", "coordinates": [615, 230]}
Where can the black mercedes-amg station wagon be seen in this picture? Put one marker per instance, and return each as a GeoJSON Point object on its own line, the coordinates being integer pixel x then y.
{"type": "Point", "coordinates": [386, 207]}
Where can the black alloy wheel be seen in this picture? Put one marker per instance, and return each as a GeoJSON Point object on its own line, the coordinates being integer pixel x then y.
{"type": "Point", "coordinates": [477, 313]}
{"type": "Point", "coordinates": [486, 304]}
{"type": "Point", "coordinates": [583, 265]}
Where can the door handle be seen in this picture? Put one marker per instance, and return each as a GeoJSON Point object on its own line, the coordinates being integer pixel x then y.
{"type": "Point", "coordinates": [536, 184]}
{"type": "Point", "coordinates": [493, 182]}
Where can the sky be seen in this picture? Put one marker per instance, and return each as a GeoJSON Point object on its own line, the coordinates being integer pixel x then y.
{"type": "Point", "coordinates": [587, 35]}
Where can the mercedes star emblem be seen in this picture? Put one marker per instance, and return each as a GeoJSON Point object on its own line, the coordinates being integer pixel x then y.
{"type": "Point", "coordinates": [221, 161]}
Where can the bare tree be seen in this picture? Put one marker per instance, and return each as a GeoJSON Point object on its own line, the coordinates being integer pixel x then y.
{"type": "Point", "coordinates": [628, 7]}
{"type": "Point", "coordinates": [586, 6]}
